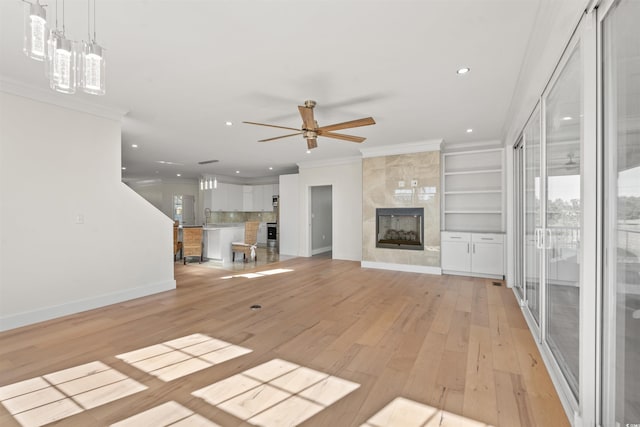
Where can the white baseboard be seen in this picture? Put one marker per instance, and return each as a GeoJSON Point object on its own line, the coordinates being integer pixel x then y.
{"type": "Point", "coordinates": [470, 274]}
{"type": "Point", "coordinates": [401, 267]}
{"type": "Point", "coordinates": [321, 250]}
{"type": "Point", "coordinates": [40, 315]}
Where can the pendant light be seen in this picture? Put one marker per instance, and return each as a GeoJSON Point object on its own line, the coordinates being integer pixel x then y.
{"type": "Point", "coordinates": [61, 59]}
{"type": "Point", "coordinates": [35, 31]}
{"type": "Point", "coordinates": [91, 70]}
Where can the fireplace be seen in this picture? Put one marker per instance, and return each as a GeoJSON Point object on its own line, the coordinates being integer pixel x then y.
{"type": "Point", "coordinates": [400, 228]}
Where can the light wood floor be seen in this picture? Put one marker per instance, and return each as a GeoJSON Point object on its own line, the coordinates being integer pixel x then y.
{"type": "Point", "coordinates": [452, 344]}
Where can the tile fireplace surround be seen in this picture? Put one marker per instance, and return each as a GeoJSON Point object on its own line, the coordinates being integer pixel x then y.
{"type": "Point", "coordinates": [387, 183]}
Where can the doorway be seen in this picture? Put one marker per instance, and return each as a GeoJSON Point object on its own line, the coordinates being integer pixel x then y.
{"type": "Point", "coordinates": [321, 219]}
{"type": "Point", "coordinates": [184, 209]}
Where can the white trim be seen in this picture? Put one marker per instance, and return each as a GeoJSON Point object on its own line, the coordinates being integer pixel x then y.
{"type": "Point", "coordinates": [71, 102]}
{"type": "Point", "coordinates": [452, 147]}
{"type": "Point", "coordinates": [73, 307]}
{"type": "Point", "coordinates": [401, 267]}
{"type": "Point", "coordinates": [407, 148]}
{"type": "Point", "coordinates": [471, 274]}
{"type": "Point", "coordinates": [321, 250]}
{"type": "Point", "coordinates": [329, 162]}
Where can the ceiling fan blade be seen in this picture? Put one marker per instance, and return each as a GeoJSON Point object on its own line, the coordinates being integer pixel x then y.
{"type": "Point", "coordinates": [307, 117]}
{"type": "Point", "coordinates": [351, 124]}
{"type": "Point", "coordinates": [278, 137]}
{"type": "Point", "coordinates": [271, 126]}
{"type": "Point", "coordinates": [341, 136]}
{"type": "Point", "coordinates": [312, 143]}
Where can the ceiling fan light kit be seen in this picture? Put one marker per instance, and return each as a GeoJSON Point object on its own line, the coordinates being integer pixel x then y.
{"type": "Point", "coordinates": [311, 131]}
{"type": "Point", "coordinates": [68, 64]}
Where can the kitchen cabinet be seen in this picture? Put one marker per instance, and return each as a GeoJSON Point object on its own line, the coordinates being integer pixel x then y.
{"type": "Point", "coordinates": [473, 254]}
{"type": "Point", "coordinates": [262, 234]}
{"type": "Point", "coordinates": [245, 198]}
{"type": "Point", "coordinates": [234, 197]}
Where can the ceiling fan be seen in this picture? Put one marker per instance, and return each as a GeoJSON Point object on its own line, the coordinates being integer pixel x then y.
{"type": "Point", "coordinates": [570, 164]}
{"type": "Point", "coordinates": [311, 131]}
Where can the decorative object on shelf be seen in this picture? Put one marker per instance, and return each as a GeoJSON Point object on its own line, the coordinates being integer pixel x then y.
{"type": "Point", "coordinates": [36, 30]}
{"type": "Point", "coordinates": [68, 64]}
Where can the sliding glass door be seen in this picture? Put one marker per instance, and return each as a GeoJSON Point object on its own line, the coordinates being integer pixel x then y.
{"type": "Point", "coordinates": [563, 120]}
{"type": "Point", "coordinates": [621, 98]}
{"type": "Point", "coordinates": [533, 215]}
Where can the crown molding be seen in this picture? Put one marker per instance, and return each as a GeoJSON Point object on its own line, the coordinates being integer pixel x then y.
{"type": "Point", "coordinates": [406, 148]}
{"type": "Point", "coordinates": [329, 162]}
{"type": "Point", "coordinates": [474, 145]}
{"type": "Point", "coordinates": [71, 102]}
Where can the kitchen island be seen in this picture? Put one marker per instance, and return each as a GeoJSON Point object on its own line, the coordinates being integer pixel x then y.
{"type": "Point", "coordinates": [218, 239]}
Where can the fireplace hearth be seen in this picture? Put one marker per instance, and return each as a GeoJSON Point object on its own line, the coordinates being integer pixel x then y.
{"type": "Point", "coordinates": [400, 228]}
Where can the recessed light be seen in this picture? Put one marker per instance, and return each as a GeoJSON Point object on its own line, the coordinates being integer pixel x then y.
{"type": "Point", "coordinates": [308, 151]}
{"type": "Point", "coordinates": [567, 118]}
{"type": "Point", "coordinates": [237, 171]}
{"type": "Point", "coordinates": [464, 70]}
{"type": "Point", "coordinates": [134, 145]}
{"type": "Point", "coordinates": [469, 130]}
{"type": "Point", "coordinates": [228, 123]}
{"type": "Point", "coordinates": [178, 174]}
{"type": "Point", "coordinates": [270, 168]}
{"type": "Point", "coordinates": [124, 168]}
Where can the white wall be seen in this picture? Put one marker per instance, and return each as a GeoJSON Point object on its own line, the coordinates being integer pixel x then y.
{"type": "Point", "coordinates": [554, 25]}
{"type": "Point", "coordinates": [57, 164]}
{"type": "Point", "coordinates": [160, 192]}
{"type": "Point", "coordinates": [289, 208]}
{"type": "Point", "coordinates": [345, 177]}
{"type": "Point", "coordinates": [321, 212]}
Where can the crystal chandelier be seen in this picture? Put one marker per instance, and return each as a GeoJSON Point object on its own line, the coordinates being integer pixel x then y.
{"type": "Point", "coordinates": [68, 64]}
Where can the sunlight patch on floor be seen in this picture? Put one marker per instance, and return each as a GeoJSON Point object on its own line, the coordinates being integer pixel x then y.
{"type": "Point", "coordinates": [170, 413]}
{"type": "Point", "coordinates": [43, 400]}
{"type": "Point", "coordinates": [183, 356]}
{"type": "Point", "coordinates": [276, 393]}
{"type": "Point", "coordinates": [260, 273]}
{"type": "Point", "coordinates": [402, 412]}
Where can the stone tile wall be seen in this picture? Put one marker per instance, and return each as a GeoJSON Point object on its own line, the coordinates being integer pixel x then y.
{"type": "Point", "coordinates": [382, 179]}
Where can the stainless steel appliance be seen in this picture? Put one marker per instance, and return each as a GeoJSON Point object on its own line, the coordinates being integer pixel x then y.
{"type": "Point", "coordinates": [272, 234]}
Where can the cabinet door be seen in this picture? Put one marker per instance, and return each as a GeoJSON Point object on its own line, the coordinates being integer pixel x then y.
{"type": "Point", "coordinates": [487, 258]}
{"type": "Point", "coordinates": [456, 256]}
{"type": "Point", "coordinates": [267, 198]}
{"type": "Point", "coordinates": [258, 191]}
{"type": "Point", "coordinates": [247, 198]}
{"type": "Point", "coordinates": [234, 197]}
{"type": "Point", "coordinates": [219, 197]}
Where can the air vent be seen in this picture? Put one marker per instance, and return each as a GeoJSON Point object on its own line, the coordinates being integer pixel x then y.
{"type": "Point", "coordinates": [206, 162]}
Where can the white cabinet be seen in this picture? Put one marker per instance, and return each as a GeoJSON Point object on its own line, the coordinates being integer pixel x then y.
{"type": "Point", "coordinates": [455, 251]}
{"type": "Point", "coordinates": [474, 254]}
{"type": "Point", "coordinates": [262, 234]}
{"type": "Point", "coordinates": [234, 197]}
{"type": "Point", "coordinates": [219, 197]}
{"type": "Point", "coordinates": [473, 197]}
{"type": "Point", "coordinates": [246, 198]}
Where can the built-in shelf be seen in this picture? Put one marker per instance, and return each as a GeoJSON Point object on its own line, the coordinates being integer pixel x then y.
{"type": "Point", "coordinates": [473, 190]}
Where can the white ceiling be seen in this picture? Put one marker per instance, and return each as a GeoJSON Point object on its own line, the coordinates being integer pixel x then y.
{"type": "Point", "coordinates": [183, 68]}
